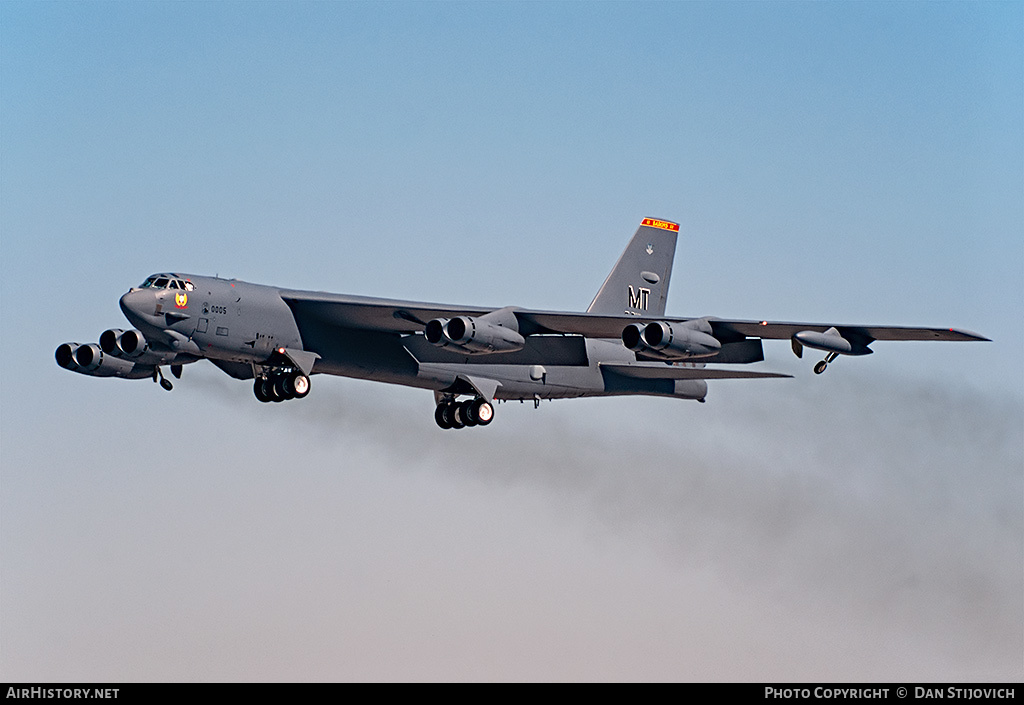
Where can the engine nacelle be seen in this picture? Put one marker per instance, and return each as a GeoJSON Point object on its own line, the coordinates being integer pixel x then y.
{"type": "Point", "coordinates": [672, 341]}
{"type": "Point", "coordinates": [132, 345]}
{"type": "Point", "coordinates": [476, 336]}
{"type": "Point", "coordinates": [108, 341]}
{"type": "Point", "coordinates": [65, 355]}
{"type": "Point", "coordinates": [129, 343]}
{"type": "Point", "coordinates": [435, 332]}
{"type": "Point", "coordinates": [88, 357]}
{"type": "Point", "coordinates": [91, 360]}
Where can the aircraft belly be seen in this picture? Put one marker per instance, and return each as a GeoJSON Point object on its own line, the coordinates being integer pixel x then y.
{"type": "Point", "coordinates": [549, 367]}
{"type": "Point", "coordinates": [554, 381]}
{"type": "Point", "coordinates": [519, 381]}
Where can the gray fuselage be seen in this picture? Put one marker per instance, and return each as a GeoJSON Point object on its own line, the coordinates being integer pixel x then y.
{"type": "Point", "coordinates": [239, 326]}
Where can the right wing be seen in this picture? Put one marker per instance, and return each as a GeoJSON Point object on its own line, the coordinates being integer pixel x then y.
{"type": "Point", "coordinates": [740, 339]}
{"type": "Point", "coordinates": [593, 326]}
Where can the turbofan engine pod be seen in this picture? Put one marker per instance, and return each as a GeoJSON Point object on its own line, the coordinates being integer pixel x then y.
{"type": "Point", "coordinates": [494, 332]}
{"type": "Point", "coordinates": [672, 341]}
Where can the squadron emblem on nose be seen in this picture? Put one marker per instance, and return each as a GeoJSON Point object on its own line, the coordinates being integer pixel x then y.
{"type": "Point", "coordinates": [181, 300]}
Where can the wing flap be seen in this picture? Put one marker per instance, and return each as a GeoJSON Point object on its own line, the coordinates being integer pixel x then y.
{"type": "Point", "coordinates": [672, 372]}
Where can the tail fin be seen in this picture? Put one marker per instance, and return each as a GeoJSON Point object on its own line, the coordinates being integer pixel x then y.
{"type": "Point", "coordinates": [638, 284]}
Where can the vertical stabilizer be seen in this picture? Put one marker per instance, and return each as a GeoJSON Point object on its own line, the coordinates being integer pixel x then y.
{"type": "Point", "coordinates": [638, 283]}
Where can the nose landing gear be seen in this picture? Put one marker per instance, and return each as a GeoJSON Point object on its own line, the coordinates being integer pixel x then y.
{"type": "Point", "coordinates": [158, 376]}
{"type": "Point", "coordinates": [471, 412]}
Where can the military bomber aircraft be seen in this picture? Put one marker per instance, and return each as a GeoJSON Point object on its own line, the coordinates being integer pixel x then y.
{"type": "Point", "coordinates": [469, 356]}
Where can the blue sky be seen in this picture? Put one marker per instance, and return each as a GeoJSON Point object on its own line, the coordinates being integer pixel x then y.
{"type": "Point", "coordinates": [847, 162]}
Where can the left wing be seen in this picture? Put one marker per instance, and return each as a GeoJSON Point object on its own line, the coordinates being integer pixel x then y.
{"type": "Point", "coordinates": [726, 329]}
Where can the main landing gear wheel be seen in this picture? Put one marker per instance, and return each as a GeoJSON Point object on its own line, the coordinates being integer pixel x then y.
{"type": "Point", "coordinates": [281, 387]}
{"type": "Point", "coordinates": [297, 385]}
{"type": "Point", "coordinates": [465, 411]}
{"type": "Point", "coordinates": [455, 414]}
{"type": "Point", "coordinates": [440, 417]}
{"type": "Point", "coordinates": [260, 390]}
{"type": "Point", "coordinates": [278, 390]}
{"type": "Point", "coordinates": [481, 411]}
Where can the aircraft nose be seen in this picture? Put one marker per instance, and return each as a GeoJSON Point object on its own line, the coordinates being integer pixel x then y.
{"type": "Point", "coordinates": [137, 303]}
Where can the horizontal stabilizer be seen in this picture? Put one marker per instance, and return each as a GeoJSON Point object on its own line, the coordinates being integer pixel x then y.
{"type": "Point", "coordinates": [670, 372]}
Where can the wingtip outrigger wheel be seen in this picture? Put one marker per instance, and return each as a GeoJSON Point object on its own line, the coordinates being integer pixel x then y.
{"type": "Point", "coordinates": [821, 366]}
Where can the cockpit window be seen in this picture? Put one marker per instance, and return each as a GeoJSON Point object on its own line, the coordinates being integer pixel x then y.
{"type": "Point", "coordinates": [163, 281]}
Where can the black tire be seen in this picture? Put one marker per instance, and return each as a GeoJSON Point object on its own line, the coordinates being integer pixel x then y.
{"type": "Point", "coordinates": [466, 413]}
{"type": "Point", "coordinates": [281, 391]}
{"type": "Point", "coordinates": [268, 389]}
{"type": "Point", "coordinates": [439, 416]}
{"type": "Point", "coordinates": [298, 385]}
{"type": "Point", "coordinates": [452, 415]}
{"type": "Point", "coordinates": [820, 367]}
{"type": "Point", "coordinates": [259, 391]}
{"type": "Point", "coordinates": [482, 411]}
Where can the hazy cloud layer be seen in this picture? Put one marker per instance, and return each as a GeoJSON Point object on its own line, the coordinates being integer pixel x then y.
{"type": "Point", "coordinates": [822, 530]}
